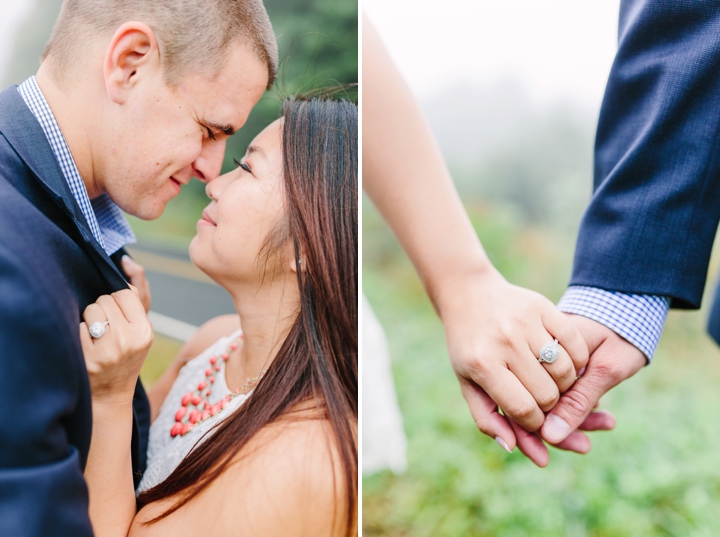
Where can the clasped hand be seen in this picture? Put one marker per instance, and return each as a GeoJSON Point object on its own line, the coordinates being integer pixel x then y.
{"type": "Point", "coordinates": [495, 331]}
{"type": "Point", "coordinates": [114, 360]}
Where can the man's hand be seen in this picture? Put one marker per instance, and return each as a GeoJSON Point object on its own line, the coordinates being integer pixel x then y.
{"type": "Point", "coordinates": [612, 360]}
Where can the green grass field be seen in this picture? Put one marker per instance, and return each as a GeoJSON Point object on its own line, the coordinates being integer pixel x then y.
{"type": "Point", "coordinates": [657, 474]}
{"type": "Point", "coordinates": [162, 352]}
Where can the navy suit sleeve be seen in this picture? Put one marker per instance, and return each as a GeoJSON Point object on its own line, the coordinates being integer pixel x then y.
{"type": "Point", "coordinates": [650, 225]}
{"type": "Point", "coordinates": [44, 439]}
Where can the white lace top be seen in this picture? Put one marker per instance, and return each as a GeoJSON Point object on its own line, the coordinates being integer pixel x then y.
{"type": "Point", "coordinates": [165, 453]}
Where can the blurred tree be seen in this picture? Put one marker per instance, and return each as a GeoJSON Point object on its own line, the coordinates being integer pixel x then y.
{"type": "Point", "coordinates": [318, 41]}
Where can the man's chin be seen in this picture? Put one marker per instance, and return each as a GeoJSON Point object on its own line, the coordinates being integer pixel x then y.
{"type": "Point", "coordinates": [145, 212]}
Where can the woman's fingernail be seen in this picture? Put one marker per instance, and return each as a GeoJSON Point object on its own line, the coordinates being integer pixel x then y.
{"type": "Point", "coordinates": [127, 259]}
{"type": "Point", "coordinates": [581, 372]}
{"type": "Point", "coordinates": [502, 444]}
{"type": "Point", "coordinates": [555, 429]}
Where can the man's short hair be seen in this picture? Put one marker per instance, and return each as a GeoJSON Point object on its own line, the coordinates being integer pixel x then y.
{"type": "Point", "coordinates": [193, 35]}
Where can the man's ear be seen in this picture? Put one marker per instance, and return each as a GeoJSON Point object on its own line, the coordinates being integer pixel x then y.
{"type": "Point", "coordinates": [132, 49]}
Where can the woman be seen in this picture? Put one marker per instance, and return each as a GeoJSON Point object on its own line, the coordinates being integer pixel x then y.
{"type": "Point", "coordinates": [258, 433]}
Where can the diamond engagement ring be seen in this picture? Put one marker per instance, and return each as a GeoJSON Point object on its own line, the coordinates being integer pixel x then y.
{"type": "Point", "coordinates": [98, 329]}
{"type": "Point", "coordinates": [549, 352]}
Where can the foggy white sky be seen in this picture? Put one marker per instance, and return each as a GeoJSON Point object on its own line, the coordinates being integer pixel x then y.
{"type": "Point", "coordinates": [11, 13]}
{"type": "Point", "coordinates": [556, 48]}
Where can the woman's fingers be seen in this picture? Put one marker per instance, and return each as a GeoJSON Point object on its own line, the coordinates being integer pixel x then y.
{"type": "Point", "coordinates": [512, 396]}
{"type": "Point", "coordinates": [112, 311]}
{"type": "Point", "coordinates": [136, 273]}
{"type": "Point", "coordinates": [531, 445]}
{"type": "Point", "coordinates": [114, 359]}
{"type": "Point", "coordinates": [86, 341]}
{"type": "Point", "coordinates": [486, 416]}
{"type": "Point", "coordinates": [569, 337]}
{"type": "Point", "coordinates": [535, 379]}
{"type": "Point", "coordinates": [131, 306]}
{"type": "Point", "coordinates": [94, 314]}
{"type": "Point", "coordinates": [562, 370]}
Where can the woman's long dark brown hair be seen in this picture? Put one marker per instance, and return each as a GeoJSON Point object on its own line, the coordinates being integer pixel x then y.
{"type": "Point", "coordinates": [318, 361]}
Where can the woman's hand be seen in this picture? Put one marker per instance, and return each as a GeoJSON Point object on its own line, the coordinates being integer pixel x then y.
{"type": "Point", "coordinates": [114, 359]}
{"type": "Point", "coordinates": [495, 331]}
{"type": "Point", "coordinates": [136, 273]}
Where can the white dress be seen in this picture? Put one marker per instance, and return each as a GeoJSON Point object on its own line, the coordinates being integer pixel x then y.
{"type": "Point", "coordinates": [165, 453]}
{"type": "Point", "coordinates": [383, 438]}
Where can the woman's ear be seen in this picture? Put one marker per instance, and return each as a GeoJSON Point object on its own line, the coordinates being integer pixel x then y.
{"type": "Point", "coordinates": [133, 50]}
{"type": "Point", "coordinates": [298, 263]}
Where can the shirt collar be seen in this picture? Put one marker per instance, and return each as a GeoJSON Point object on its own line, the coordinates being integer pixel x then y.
{"type": "Point", "coordinates": [107, 222]}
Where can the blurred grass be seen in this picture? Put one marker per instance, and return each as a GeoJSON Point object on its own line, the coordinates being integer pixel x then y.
{"type": "Point", "coordinates": [657, 474]}
{"type": "Point", "coordinates": [163, 351]}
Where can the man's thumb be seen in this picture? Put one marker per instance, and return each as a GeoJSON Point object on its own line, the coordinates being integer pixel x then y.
{"type": "Point", "coordinates": [571, 410]}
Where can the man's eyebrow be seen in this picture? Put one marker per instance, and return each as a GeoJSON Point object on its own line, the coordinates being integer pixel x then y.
{"type": "Point", "coordinates": [225, 129]}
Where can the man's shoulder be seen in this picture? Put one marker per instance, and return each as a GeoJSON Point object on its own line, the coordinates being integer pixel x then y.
{"type": "Point", "coordinates": [28, 243]}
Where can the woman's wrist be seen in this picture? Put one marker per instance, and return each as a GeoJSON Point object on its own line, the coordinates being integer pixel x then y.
{"type": "Point", "coordinates": [453, 290]}
{"type": "Point", "coordinates": [113, 401]}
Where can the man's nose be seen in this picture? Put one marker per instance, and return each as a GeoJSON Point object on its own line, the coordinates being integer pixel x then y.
{"type": "Point", "coordinates": [209, 163]}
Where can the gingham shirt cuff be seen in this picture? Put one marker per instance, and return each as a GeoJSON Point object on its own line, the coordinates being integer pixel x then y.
{"type": "Point", "coordinates": [637, 318]}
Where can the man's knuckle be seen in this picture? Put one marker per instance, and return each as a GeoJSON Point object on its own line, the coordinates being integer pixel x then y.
{"type": "Point", "coordinates": [607, 370]}
{"type": "Point", "coordinates": [577, 402]}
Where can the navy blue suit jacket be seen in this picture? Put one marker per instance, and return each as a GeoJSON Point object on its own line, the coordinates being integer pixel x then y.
{"type": "Point", "coordinates": [51, 268]}
{"type": "Point", "coordinates": [651, 222]}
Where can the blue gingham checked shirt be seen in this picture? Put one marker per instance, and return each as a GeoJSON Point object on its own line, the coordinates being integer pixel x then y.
{"type": "Point", "coordinates": [106, 220]}
{"type": "Point", "coordinates": [637, 318]}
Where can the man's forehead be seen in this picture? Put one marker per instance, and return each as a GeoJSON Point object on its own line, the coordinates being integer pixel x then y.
{"type": "Point", "coordinates": [224, 101]}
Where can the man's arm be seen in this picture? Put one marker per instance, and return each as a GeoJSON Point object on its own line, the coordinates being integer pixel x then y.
{"type": "Point", "coordinates": [645, 240]}
{"type": "Point", "coordinates": [42, 491]}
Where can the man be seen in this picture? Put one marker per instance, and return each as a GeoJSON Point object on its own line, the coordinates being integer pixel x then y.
{"type": "Point", "coordinates": [131, 101]}
{"type": "Point", "coordinates": [646, 237]}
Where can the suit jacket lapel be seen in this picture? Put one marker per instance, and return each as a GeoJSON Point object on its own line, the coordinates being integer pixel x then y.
{"type": "Point", "coordinates": [22, 130]}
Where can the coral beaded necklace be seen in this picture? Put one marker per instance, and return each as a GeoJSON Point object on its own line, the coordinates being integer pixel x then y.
{"type": "Point", "coordinates": [187, 417]}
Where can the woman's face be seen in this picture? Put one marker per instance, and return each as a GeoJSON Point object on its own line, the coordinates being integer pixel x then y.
{"type": "Point", "coordinates": [247, 204]}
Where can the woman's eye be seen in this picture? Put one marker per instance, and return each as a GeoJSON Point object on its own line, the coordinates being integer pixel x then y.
{"type": "Point", "coordinates": [211, 135]}
{"type": "Point", "coordinates": [241, 165]}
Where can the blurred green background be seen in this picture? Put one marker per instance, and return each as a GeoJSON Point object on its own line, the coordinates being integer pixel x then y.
{"type": "Point", "coordinates": [318, 45]}
{"type": "Point", "coordinates": [524, 173]}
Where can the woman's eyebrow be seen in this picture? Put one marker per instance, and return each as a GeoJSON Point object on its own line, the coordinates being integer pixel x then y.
{"type": "Point", "coordinates": [255, 149]}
